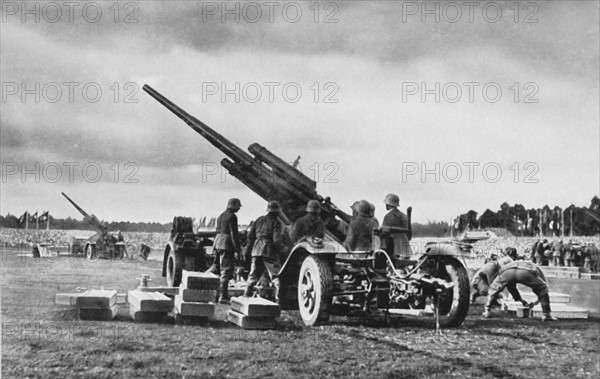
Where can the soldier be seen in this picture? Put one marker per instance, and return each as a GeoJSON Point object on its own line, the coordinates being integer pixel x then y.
{"type": "Point", "coordinates": [540, 258]}
{"type": "Point", "coordinates": [557, 252]}
{"type": "Point", "coordinates": [360, 232]}
{"type": "Point", "coordinates": [591, 255]}
{"type": "Point", "coordinates": [395, 218]}
{"type": "Point", "coordinates": [480, 284]}
{"type": "Point", "coordinates": [524, 272]}
{"type": "Point", "coordinates": [267, 232]}
{"type": "Point", "coordinates": [227, 243]}
{"type": "Point", "coordinates": [534, 248]}
{"type": "Point", "coordinates": [310, 224]}
{"type": "Point", "coordinates": [372, 214]}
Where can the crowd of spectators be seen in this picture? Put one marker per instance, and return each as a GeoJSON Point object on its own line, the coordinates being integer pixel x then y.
{"type": "Point", "coordinates": [557, 252]}
{"type": "Point", "coordinates": [21, 239]}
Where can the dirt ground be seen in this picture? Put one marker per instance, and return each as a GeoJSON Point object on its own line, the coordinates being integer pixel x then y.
{"type": "Point", "coordinates": [41, 339]}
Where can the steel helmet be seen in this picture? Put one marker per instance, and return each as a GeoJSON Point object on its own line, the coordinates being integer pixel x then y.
{"type": "Point", "coordinates": [372, 210]}
{"type": "Point", "coordinates": [363, 208]}
{"type": "Point", "coordinates": [234, 203]}
{"type": "Point", "coordinates": [273, 206]}
{"type": "Point", "coordinates": [392, 200]}
{"type": "Point", "coordinates": [313, 206]}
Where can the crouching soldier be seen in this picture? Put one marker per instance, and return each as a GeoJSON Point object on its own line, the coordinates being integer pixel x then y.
{"type": "Point", "coordinates": [522, 272]}
{"type": "Point", "coordinates": [264, 241]}
{"type": "Point", "coordinates": [480, 284]}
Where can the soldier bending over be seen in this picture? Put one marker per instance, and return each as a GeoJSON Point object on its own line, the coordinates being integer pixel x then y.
{"type": "Point", "coordinates": [523, 272]}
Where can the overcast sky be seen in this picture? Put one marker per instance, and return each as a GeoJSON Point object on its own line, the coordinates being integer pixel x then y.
{"type": "Point", "coordinates": [370, 132]}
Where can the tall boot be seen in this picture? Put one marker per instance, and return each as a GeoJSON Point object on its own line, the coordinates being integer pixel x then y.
{"type": "Point", "coordinates": [545, 303]}
{"type": "Point", "coordinates": [224, 293]}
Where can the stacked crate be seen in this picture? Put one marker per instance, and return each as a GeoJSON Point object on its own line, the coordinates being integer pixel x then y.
{"type": "Point", "coordinates": [194, 304]}
{"type": "Point", "coordinates": [148, 306]}
{"type": "Point", "coordinates": [98, 305]}
{"type": "Point", "coordinates": [253, 313]}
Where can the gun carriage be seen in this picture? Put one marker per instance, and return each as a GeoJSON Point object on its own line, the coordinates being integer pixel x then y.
{"type": "Point", "coordinates": [104, 244]}
{"type": "Point", "coordinates": [320, 277]}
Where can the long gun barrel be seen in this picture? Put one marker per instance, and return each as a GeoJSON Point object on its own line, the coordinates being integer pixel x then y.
{"type": "Point", "coordinates": [263, 172]}
{"type": "Point", "coordinates": [92, 220]}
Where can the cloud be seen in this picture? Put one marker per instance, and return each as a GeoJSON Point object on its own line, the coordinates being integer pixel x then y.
{"type": "Point", "coordinates": [368, 134]}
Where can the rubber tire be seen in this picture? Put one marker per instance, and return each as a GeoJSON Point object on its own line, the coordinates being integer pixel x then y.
{"type": "Point", "coordinates": [454, 308]}
{"type": "Point", "coordinates": [121, 253]}
{"type": "Point", "coordinates": [90, 252]}
{"type": "Point", "coordinates": [174, 269]}
{"type": "Point", "coordinates": [322, 278]}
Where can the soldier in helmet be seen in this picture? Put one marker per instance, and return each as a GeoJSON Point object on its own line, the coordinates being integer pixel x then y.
{"type": "Point", "coordinates": [360, 232]}
{"type": "Point", "coordinates": [264, 242]}
{"type": "Point", "coordinates": [310, 224]}
{"type": "Point", "coordinates": [395, 218]}
{"type": "Point", "coordinates": [510, 274]}
{"type": "Point", "coordinates": [227, 243]}
{"type": "Point", "coordinates": [372, 214]}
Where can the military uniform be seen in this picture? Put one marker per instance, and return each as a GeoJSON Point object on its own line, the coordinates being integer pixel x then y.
{"type": "Point", "coordinates": [308, 225]}
{"type": "Point", "coordinates": [521, 272]}
{"type": "Point", "coordinates": [265, 241]}
{"type": "Point", "coordinates": [540, 257]}
{"type": "Point", "coordinates": [360, 234]}
{"type": "Point", "coordinates": [227, 243]}
{"type": "Point", "coordinates": [396, 244]}
{"type": "Point", "coordinates": [557, 253]}
{"type": "Point", "coordinates": [480, 284]}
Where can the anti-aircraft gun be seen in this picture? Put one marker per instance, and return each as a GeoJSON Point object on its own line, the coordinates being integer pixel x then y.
{"type": "Point", "coordinates": [321, 277]}
{"type": "Point", "coordinates": [104, 244]}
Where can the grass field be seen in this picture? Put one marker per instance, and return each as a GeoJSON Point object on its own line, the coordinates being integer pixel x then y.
{"type": "Point", "coordinates": [42, 340]}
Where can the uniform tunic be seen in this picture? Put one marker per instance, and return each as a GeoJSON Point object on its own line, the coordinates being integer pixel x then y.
{"type": "Point", "coordinates": [227, 242]}
{"type": "Point", "coordinates": [308, 225]}
{"type": "Point", "coordinates": [523, 272]}
{"type": "Point", "coordinates": [265, 241]}
{"type": "Point", "coordinates": [360, 234]}
{"type": "Point", "coordinates": [396, 244]}
{"type": "Point", "coordinates": [484, 277]}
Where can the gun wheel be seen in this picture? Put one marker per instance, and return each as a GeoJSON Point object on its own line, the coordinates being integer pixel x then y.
{"type": "Point", "coordinates": [454, 304]}
{"type": "Point", "coordinates": [90, 252]}
{"type": "Point", "coordinates": [174, 269]}
{"type": "Point", "coordinates": [315, 285]}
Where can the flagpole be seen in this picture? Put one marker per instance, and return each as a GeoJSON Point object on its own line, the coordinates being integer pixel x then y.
{"type": "Point", "coordinates": [37, 221]}
{"type": "Point", "coordinates": [562, 223]}
{"type": "Point", "coordinates": [572, 226]}
{"type": "Point", "coordinates": [26, 220]}
{"type": "Point", "coordinates": [47, 220]}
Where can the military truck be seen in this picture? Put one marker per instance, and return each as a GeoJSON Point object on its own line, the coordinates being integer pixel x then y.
{"type": "Point", "coordinates": [318, 275]}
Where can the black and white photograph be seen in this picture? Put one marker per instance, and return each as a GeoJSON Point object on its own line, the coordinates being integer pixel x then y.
{"type": "Point", "coordinates": [300, 189]}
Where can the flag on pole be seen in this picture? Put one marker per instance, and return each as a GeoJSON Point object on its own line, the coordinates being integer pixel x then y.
{"type": "Point", "coordinates": [44, 216]}
{"type": "Point", "coordinates": [33, 217]}
{"type": "Point", "coordinates": [23, 218]}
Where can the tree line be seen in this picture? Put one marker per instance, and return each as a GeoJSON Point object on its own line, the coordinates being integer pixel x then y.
{"type": "Point", "coordinates": [547, 221]}
{"type": "Point", "coordinates": [582, 221]}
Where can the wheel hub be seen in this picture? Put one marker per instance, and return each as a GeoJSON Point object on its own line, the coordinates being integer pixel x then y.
{"type": "Point", "coordinates": [307, 291]}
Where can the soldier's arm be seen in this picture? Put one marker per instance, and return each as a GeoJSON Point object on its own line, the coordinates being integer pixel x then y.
{"type": "Point", "coordinates": [251, 238]}
{"type": "Point", "coordinates": [235, 236]}
{"type": "Point", "coordinates": [497, 286]}
{"type": "Point", "coordinates": [350, 241]}
{"type": "Point", "coordinates": [296, 230]}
